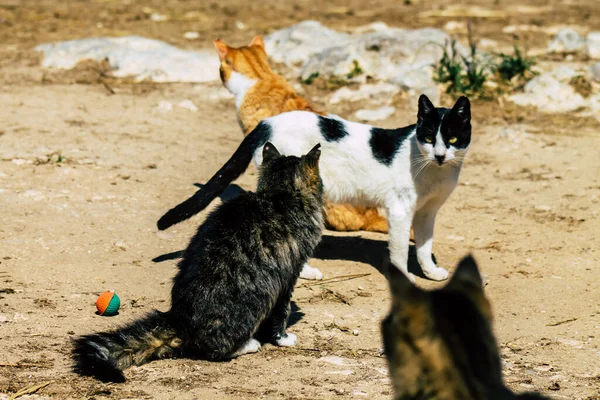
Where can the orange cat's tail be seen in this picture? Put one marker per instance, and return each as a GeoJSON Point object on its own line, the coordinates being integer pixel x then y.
{"type": "Point", "coordinates": [236, 166]}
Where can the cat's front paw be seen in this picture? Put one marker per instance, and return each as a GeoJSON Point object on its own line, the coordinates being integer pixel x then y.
{"type": "Point", "coordinates": [436, 273]}
{"type": "Point", "coordinates": [311, 273]}
{"type": "Point", "coordinates": [286, 340]}
{"type": "Point", "coordinates": [251, 346]}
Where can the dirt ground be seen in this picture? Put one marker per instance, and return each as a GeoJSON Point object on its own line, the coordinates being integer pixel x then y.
{"type": "Point", "coordinates": [85, 174]}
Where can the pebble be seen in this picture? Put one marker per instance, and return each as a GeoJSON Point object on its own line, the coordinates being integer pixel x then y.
{"type": "Point", "coordinates": [165, 106]}
{"type": "Point", "coordinates": [188, 105]}
{"type": "Point", "coordinates": [191, 35]}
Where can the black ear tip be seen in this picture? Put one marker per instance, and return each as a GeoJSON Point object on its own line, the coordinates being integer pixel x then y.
{"type": "Point", "coordinates": [468, 270]}
{"type": "Point", "coordinates": [468, 259]}
{"type": "Point", "coordinates": [464, 99]}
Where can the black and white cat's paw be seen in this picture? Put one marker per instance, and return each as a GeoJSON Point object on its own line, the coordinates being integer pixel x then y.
{"type": "Point", "coordinates": [251, 346]}
{"type": "Point", "coordinates": [311, 273]}
{"type": "Point", "coordinates": [436, 273]}
{"type": "Point", "coordinates": [286, 340]}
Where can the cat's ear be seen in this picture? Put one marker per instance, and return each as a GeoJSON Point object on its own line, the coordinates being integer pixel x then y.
{"type": "Point", "coordinates": [426, 107]}
{"type": "Point", "coordinates": [270, 152]}
{"type": "Point", "coordinates": [312, 157]}
{"type": "Point", "coordinates": [400, 285]}
{"type": "Point", "coordinates": [462, 109]}
{"type": "Point", "coordinates": [258, 41]}
{"type": "Point", "coordinates": [222, 49]}
{"type": "Point", "coordinates": [467, 274]}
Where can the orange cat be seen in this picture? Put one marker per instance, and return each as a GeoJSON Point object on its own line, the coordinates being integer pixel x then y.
{"type": "Point", "coordinates": [261, 93]}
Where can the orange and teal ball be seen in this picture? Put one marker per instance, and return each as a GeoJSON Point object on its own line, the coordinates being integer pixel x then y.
{"type": "Point", "coordinates": [108, 303]}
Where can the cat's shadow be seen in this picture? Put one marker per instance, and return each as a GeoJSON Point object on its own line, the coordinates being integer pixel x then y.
{"type": "Point", "coordinates": [369, 251]}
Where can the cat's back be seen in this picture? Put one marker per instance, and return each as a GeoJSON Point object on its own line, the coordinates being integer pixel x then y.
{"type": "Point", "coordinates": [269, 97]}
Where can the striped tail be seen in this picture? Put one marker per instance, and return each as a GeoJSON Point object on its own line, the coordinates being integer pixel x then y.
{"type": "Point", "coordinates": [236, 166]}
{"type": "Point", "coordinates": [105, 355]}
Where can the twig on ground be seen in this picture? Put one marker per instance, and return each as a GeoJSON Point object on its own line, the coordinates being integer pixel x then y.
{"type": "Point", "coordinates": [29, 390]}
{"type": "Point", "coordinates": [335, 279]}
{"type": "Point", "coordinates": [562, 322]}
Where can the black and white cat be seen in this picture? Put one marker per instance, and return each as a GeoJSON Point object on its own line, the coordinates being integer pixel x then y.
{"type": "Point", "coordinates": [235, 279]}
{"type": "Point", "coordinates": [409, 171]}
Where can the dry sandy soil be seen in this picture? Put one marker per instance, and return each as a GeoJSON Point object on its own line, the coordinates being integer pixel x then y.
{"type": "Point", "coordinates": [85, 174]}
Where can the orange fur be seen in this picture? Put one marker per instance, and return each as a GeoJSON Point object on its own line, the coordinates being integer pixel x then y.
{"type": "Point", "coordinates": [273, 95]}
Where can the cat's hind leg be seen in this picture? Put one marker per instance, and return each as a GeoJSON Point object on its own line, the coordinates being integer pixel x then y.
{"type": "Point", "coordinates": [311, 273]}
{"type": "Point", "coordinates": [423, 224]}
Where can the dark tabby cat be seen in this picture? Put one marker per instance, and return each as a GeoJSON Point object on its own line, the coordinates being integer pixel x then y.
{"type": "Point", "coordinates": [440, 344]}
{"type": "Point", "coordinates": [235, 280]}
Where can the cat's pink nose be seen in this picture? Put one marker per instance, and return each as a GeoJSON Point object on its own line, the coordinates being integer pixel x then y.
{"type": "Point", "coordinates": [440, 159]}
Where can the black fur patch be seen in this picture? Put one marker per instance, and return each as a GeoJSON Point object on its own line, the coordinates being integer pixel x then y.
{"type": "Point", "coordinates": [386, 142]}
{"type": "Point", "coordinates": [332, 129]}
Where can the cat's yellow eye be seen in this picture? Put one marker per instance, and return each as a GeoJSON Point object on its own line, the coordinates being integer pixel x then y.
{"type": "Point", "coordinates": [429, 139]}
{"type": "Point", "coordinates": [452, 140]}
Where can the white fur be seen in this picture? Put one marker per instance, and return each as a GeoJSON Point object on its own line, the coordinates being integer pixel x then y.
{"type": "Point", "coordinates": [288, 341]}
{"type": "Point", "coordinates": [251, 346]}
{"type": "Point", "coordinates": [412, 189]}
{"type": "Point", "coordinates": [238, 85]}
{"type": "Point", "coordinates": [311, 273]}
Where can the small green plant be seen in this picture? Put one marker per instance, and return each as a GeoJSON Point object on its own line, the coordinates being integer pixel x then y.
{"type": "Point", "coordinates": [515, 65]}
{"type": "Point", "coordinates": [462, 74]}
{"type": "Point", "coordinates": [356, 70]}
{"type": "Point", "coordinates": [311, 78]}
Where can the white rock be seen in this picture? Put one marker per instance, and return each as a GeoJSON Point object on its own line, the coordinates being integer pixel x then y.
{"type": "Point", "coordinates": [375, 115]}
{"type": "Point", "coordinates": [564, 73]}
{"type": "Point", "coordinates": [135, 56]}
{"type": "Point", "coordinates": [592, 43]}
{"type": "Point", "coordinates": [18, 161]}
{"type": "Point", "coordinates": [595, 72]}
{"type": "Point", "coordinates": [158, 17]}
{"type": "Point", "coordinates": [488, 44]}
{"type": "Point", "coordinates": [380, 93]}
{"type": "Point", "coordinates": [188, 105]}
{"type": "Point", "coordinates": [399, 56]}
{"type": "Point", "coordinates": [37, 196]}
{"type": "Point", "coordinates": [121, 245]}
{"type": "Point", "coordinates": [374, 27]}
{"type": "Point", "coordinates": [566, 41]}
{"type": "Point", "coordinates": [543, 207]}
{"type": "Point", "coordinates": [550, 94]}
{"type": "Point", "coordinates": [191, 35]}
{"type": "Point", "coordinates": [294, 45]}
{"type": "Point", "coordinates": [164, 106]}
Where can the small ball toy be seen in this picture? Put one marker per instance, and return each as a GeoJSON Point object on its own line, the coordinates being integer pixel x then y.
{"type": "Point", "coordinates": [108, 303]}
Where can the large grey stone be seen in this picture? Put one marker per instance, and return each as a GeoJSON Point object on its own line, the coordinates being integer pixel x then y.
{"type": "Point", "coordinates": [551, 92]}
{"type": "Point", "coordinates": [293, 46]}
{"type": "Point", "coordinates": [567, 40]}
{"type": "Point", "coordinates": [399, 56]}
{"type": "Point", "coordinates": [592, 43]}
{"type": "Point", "coordinates": [135, 56]}
{"type": "Point", "coordinates": [595, 72]}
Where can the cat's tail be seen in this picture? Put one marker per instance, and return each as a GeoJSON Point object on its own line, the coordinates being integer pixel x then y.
{"type": "Point", "coordinates": [105, 355]}
{"type": "Point", "coordinates": [236, 166]}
